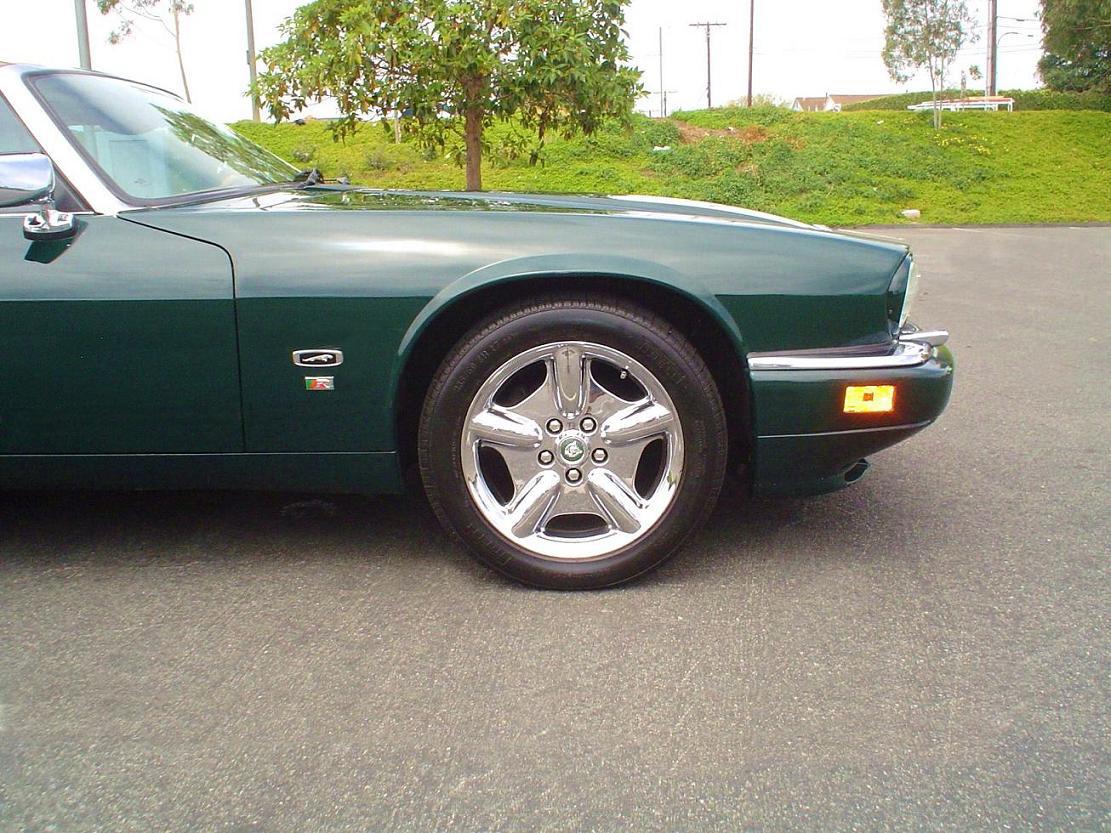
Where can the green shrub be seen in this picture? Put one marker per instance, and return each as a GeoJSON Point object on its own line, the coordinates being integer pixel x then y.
{"type": "Point", "coordinates": [1057, 100]}
{"type": "Point", "coordinates": [724, 117]}
{"type": "Point", "coordinates": [377, 159]}
{"type": "Point", "coordinates": [303, 154]}
{"type": "Point", "coordinates": [655, 133]}
{"type": "Point", "coordinates": [710, 158]}
{"type": "Point", "coordinates": [614, 140]}
{"type": "Point", "coordinates": [1024, 100]}
{"type": "Point", "coordinates": [899, 102]}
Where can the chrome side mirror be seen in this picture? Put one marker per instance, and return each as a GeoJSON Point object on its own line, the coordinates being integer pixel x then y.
{"type": "Point", "coordinates": [24, 178]}
{"type": "Point", "coordinates": [29, 178]}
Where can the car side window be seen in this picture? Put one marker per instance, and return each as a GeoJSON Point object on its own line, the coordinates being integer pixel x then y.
{"type": "Point", "coordinates": [15, 138]}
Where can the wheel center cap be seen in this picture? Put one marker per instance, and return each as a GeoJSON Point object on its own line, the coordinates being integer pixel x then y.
{"type": "Point", "coordinates": [572, 449]}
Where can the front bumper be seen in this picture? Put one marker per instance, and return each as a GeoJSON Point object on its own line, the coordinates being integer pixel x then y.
{"type": "Point", "coordinates": [806, 444]}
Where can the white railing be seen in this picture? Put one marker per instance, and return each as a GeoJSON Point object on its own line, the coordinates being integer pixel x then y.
{"type": "Point", "coordinates": [978, 103]}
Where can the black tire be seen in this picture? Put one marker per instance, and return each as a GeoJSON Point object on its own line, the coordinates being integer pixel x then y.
{"type": "Point", "coordinates": [638, 333]}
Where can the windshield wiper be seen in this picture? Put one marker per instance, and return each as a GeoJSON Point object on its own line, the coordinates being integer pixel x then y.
{"type": "Point", "coordinates": [309, 178]}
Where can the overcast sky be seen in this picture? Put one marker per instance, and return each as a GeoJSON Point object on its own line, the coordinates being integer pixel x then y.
{"type": "Point", "coordinates": [803, 47]}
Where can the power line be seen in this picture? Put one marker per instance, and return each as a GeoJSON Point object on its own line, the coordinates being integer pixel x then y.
{"type": "Point", "coordinates": [663, 100]}
{"type": "Point", "coordinates": [706, 26]}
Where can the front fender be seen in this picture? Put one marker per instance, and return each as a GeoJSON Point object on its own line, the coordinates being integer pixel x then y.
{"type": "Point", "coordinates": [572, 266]}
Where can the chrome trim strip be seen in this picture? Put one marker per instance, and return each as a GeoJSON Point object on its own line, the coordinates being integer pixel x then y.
{"type": "Point", "coordinates": [55, 144]}
{"type": "Point", "coordinates": [935, 338]}
{"type": "Point", "coordinates": [905, 426]}
{"type": "Point", "coordinates": [904, 354]}
{"type": "Point", "coordinates": [19, 215]}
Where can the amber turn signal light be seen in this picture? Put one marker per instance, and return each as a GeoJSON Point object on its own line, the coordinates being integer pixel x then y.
{"type": "Point", "coordinates": [869, 399]}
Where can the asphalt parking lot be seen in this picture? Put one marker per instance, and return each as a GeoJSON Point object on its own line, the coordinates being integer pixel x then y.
{"type": "Point", "coordinates": [927, 650]}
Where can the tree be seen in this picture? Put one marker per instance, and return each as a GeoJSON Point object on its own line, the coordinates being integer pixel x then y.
{"type": "Point", "coordinates": [925, 34]}
{"type": "Point", "coordinates": [149, 10]}
{"type": "Point", "coordinates": [1077, 40]}
{"type": "Point", "coordinates": [456, 66]}
{"type": "Point", "coordinates": [1076, 75]}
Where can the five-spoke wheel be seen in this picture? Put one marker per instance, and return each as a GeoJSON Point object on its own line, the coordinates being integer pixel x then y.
{"type": "Point", "coordinates": [573, 443]}
{"type": "Point", "coordinates": [572, 450]}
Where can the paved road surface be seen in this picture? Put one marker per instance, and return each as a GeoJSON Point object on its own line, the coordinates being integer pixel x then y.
{"type": "Point", "coordinates": [925, 651]}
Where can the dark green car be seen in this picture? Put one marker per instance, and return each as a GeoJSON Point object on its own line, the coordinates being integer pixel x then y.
{"type": "Point", "coordinates": [573, 377]}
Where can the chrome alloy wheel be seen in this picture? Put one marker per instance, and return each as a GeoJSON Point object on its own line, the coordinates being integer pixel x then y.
{"type": "Point", "coordinates": [572, 450]}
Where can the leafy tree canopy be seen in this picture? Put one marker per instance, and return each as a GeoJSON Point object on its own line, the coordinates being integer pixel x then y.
{"type": "Point", "coordinates": [1077, 37]}
{"type": "Point", "coordinates": [455, 66]}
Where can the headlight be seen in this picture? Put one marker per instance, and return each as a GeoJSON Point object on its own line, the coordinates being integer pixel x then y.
{"type": "Point", "coordinates": [902, 293]}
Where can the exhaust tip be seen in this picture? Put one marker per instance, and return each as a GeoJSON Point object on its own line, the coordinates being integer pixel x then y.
{"type": "Point", "coordinates": [856, 471]}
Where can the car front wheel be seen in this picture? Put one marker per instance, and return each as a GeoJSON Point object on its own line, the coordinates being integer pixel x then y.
{"type": "Point", "coordinates": [573, 443]}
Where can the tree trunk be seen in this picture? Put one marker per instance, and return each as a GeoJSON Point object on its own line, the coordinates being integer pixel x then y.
{"type": "Point", "coordinates": [180, 60]}
{"type": "Point", "coordinates": [935, 114]}
{"type": "Point", "coordinates": [541, 128]}
{"type": "Point", "coordinates": [472, 138]}
{"type": "Point", "coordinates": [936, 97]}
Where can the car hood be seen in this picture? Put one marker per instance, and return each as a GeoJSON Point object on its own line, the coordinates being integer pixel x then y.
{"type": "Point", "coordinates": [332, 197]}
{"type": "Point", "coordinates": [338, 241]}
{"type": "Point", "coordinates": [339, 197]}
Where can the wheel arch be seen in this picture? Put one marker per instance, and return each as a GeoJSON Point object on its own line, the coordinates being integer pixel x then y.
{"type": "Point", "coordinates": [447, 318]}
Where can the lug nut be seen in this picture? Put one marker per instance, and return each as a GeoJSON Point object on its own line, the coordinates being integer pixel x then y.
{"type": "Point", "coordinates": [598, 455]}
{"type": "Point", "coordinates": [546, 457]}
{"type": "Point", "coordinates": [588, 424]}
{"type": "Point", "coordinates": [574, 475]}
{"type": "Point", "coordinates": [554, 426]}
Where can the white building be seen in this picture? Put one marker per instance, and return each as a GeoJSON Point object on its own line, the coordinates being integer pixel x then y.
{"type": "Point", "coordinates": [829, 103]}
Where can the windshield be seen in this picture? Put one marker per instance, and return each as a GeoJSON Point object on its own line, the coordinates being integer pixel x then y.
{"type": "Point", "coordinates": [152, 147]}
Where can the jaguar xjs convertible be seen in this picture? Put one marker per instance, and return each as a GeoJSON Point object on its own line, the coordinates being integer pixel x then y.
{"type": "Point", "coordinates": [571, 377]}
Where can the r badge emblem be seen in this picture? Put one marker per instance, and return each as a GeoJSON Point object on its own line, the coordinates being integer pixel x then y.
{"type": "Point", "coordinates": [320, 383]}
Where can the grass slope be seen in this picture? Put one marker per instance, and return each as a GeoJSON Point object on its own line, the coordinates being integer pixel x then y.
{"type": "Point", "coordinates": [841, 169]}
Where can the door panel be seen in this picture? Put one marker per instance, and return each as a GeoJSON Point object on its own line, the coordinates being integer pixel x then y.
{"type": "Point", "coordinates": [121, 340]}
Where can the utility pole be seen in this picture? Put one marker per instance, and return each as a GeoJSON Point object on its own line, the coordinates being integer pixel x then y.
{"type": "Point", "coordinates": [707, 26]}
{"type": "Point", "coordinates": [663, 95]}
{"type": "Point", "coordinates": [751, 32]}
{"type": "Point", "coordinates": [993, 46]}
{"type": "Point", "coordinates": [663, 99]}
{"type": "Point", "coordinates": [82, 34]}
{"type": "Point", "coordinates": [251, 59]}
